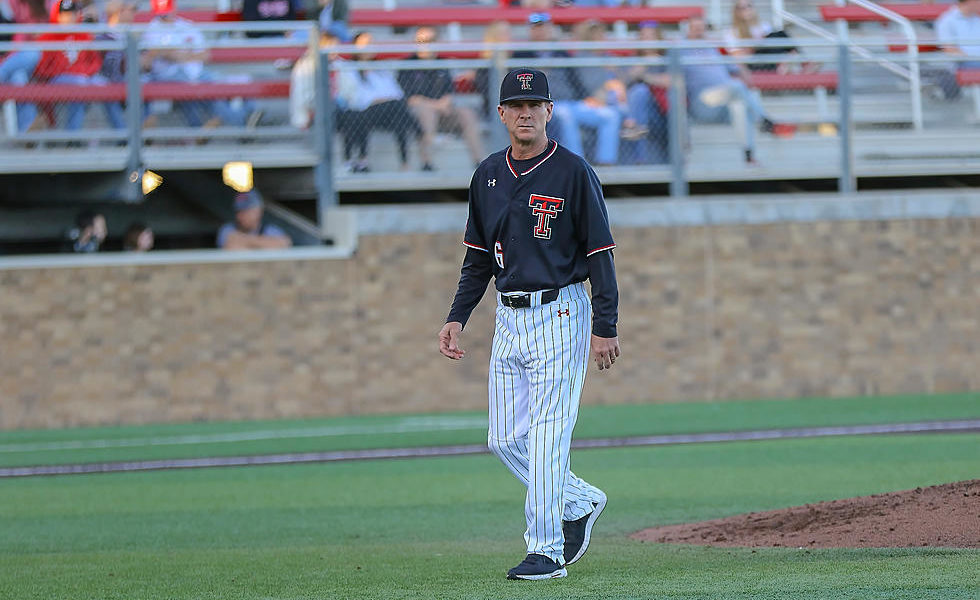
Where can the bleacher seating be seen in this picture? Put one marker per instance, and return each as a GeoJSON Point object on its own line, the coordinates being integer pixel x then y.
{"type": "Point", "coordinates": [857, 14]}
{"type": "Point", "coordinates": [410, 17]}
{"type": "Point", "coordinates": [116, 92]}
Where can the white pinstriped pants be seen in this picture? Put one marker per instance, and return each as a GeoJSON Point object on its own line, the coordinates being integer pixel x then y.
{"type": "Point", "coordinates": [537, 368]}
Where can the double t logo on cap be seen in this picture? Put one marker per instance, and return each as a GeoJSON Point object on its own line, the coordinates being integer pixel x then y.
{"type": "Point", "coordinates": [524, 84]}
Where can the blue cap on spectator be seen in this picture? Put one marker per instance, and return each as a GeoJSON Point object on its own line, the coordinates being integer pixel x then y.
{"type": "Point", "coordinates": [247, 200]}
{"type": "Point", "coordinates": [539, 17]}
{"type": "Point", "coordinates": [649, 24]}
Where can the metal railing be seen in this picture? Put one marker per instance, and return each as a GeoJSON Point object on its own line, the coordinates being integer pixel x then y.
{"type": "Point", "coordinates": [839, 130]}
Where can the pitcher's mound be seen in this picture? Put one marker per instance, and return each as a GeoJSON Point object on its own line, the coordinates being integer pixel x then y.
{"type": "Point", "coordinates": [945, 515]}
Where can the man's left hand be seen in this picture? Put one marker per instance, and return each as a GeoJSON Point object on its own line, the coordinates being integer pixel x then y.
{"type": "Point", "coordinates": [605, 351]}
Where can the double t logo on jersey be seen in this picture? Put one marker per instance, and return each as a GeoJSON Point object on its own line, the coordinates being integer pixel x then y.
{"type": "Point", "coordinates": [545, 208]}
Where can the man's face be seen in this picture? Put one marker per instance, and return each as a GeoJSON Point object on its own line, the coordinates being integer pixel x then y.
{"type": "Point", "coordinates": [526, 120]}
{"type": "Point", "coordinates": [542, 32]}
{"type": "Point", "coordinates": [249, 219]}
{"type": "Point", "coordinates": [68, 17]}
{"type": "Point", "coordinates": [423, 37]}
{"type": "Point", "coordinates": [695, 29]}
{"type": "Point", "coordinates": [99, 229]}
{"type": "Point", "coordinates": [126, 14]}
{"type": "Point", "coordinates": [362, 40]}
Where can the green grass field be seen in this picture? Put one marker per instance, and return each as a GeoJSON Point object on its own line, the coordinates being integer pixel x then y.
{"type": "Point", "coordinates": [451, 527]}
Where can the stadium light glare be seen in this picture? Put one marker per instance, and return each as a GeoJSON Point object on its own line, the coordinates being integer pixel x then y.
{"type": "Point", "coordinates": [150, 181]}
{"type": "Point", "coordinates": [237, 175]}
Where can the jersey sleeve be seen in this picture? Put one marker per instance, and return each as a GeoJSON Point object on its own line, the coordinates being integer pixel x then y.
{"type": "Point", "coordinates": [473, 238]}
{"type": "Point", "coordinates": [593, 224]}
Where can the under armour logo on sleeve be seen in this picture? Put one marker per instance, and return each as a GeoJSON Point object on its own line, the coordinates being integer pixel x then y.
{"type": "Point", "coordinates": [491, 182]}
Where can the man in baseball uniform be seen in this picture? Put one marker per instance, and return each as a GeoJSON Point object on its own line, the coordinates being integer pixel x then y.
{"type": "Point", "coordinates": [538, 225]}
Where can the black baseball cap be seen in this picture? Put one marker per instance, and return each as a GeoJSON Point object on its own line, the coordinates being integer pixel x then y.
{"type": "Point", "coordinates": [524, 84]}
{"type": "Point", "coordinates": [67, 6]}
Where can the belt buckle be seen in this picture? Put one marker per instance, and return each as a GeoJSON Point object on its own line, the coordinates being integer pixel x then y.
{"type": "Point", "coordinates": [522, 301]}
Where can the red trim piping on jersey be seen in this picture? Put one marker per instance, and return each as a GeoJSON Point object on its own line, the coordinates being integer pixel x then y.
{"type": "Point", "coordinates": [510, 165]}
{"type": "Point", "coordinates": [609, 247]}
{"type": "Point", "coordinates": [474, 246]}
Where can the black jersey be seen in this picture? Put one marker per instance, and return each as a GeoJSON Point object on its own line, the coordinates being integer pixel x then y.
{"type": "Point", "coordinates": [539, 224]}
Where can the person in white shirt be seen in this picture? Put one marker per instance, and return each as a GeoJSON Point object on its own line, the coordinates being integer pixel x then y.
{"type": "Point", "coordinates": [958, 33]}
{"type": "Point", "coordinates": [747, 26]}
{"type": "Point", "coordinates": [374, 100]}
{"type": "Point", "coordinates": [177, 51]}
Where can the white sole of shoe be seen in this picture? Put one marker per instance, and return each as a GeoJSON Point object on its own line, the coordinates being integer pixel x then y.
{"type": "Point", "coordinates": [588, 529]}
{"type": "Point", "coordinates": [555, 575]}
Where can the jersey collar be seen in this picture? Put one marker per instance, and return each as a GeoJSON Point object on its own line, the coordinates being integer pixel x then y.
{"type": "Point", "coordinates": [548, 154]}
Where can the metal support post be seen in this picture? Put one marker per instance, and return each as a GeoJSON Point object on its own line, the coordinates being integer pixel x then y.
{"type": "Point", "coordinates": [134, 119]}
{"type": "Point", "coordinates": [677, 125]}
{"type": "Point", "coordinates": [495, 74]}
{"type": "Point", "coordinates": [847, 183]}
{"type": "Point", "coordinates": [323, 134]}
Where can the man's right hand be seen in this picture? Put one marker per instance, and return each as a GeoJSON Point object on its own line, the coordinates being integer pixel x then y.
{"type": "Point", "coordinates": [449, 340]}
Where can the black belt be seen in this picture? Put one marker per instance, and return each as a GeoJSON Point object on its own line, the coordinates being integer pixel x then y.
{"type": "Point", "coordinates": [524, 300]}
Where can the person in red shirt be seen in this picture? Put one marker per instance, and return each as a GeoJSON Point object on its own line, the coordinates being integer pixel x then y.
{"type": "Point", "coordinates": [71, 66]}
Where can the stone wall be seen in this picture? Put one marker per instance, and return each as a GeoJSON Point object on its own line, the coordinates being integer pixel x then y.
{"type": "Point", "coordinates": [777, 310]}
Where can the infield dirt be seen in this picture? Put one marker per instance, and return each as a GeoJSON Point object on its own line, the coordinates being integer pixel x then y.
{"type": "Point", "coordinates": [945, 515]}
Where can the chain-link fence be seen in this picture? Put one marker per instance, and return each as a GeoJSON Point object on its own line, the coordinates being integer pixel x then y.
{"type": "Point", "coordinates": [676, 112]}
{"type": "Point", "coordinates": [70, 88]}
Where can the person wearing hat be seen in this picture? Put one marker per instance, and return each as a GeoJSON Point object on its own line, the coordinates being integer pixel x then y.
{"type": "Point", "coordinates": [574, 88]}
{"type": "Point", "coordinates": [176, 50]}
{"type": "Point", "coordinates": [68, 66]}
{"type": "Point", "coordinates": [538, 227]}
{"type": "Point", "coordinates": [248, 232]}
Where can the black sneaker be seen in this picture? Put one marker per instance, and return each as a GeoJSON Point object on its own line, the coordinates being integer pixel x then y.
{"type": "Point", "coordinates": [578, 532]}
{"type": "Point", "coordinates": [537, 566]}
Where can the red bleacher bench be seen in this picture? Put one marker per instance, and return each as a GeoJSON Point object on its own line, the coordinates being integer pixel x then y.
{"type": "Point", "coordinates": [262, 54]}
{"type": "Point", "coordinates": [967, 77]}
{"type": "Point", "coordinates": [925, 47]}
{"type": "Point", "coordinates": [793, 81]}
{"type": "Point", "coordinates": [116, 92]}
{"type": "Point", "coordinates": [857, 14]}
{"type": "Point", "coordinates": [413, 17]}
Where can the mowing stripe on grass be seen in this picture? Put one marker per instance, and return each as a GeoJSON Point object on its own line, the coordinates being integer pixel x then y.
{"type": "Point", "coordinates": [964, 426]}
{"type": "Point", "coordinates": [409, 425]}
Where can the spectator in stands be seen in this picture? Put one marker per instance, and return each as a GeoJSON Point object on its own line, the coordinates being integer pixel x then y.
{"type": "Point", "coordinates": [176, 51]}
{"type": "Point", "coordinates": [89, 232]}
{"type": "Point", "coordinates": [646, 96]}
{"type": "Point", "coordinates": [302, 84]}
{"type": "Point", "coordinates": [71, 66]}
{"type": "Point", "coordinates": [334, 15]}
{"type": "Point", "coordinates": [577, 105]}
{"type": "Point", "coordinates": [16, 69]}
{"type": "Point", "coordinates": [302, 96]}
{"type": "Point", "coordinates": [479, 79]}
{"type": "Point", "coordinates": [430, 97]}
{"type": "Point", "coordinates": [374, 101]}
{"type": "Point", "coordinates": [248, 232]}
{"type": "Point", "coordinates": [746, 25]}
{"type": "Point", "coordinates": [24, 12]}
{"type": "Point", "coordinates": [118, 13]}
{"type": "Point", "coordinates": [716, 94]}
{"type": "Point", "coordinates": [269, 11]}
{"type": "Point", "coordinates": [138, 238]}
{"type": "Point", "coordinates": [958, 31]}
